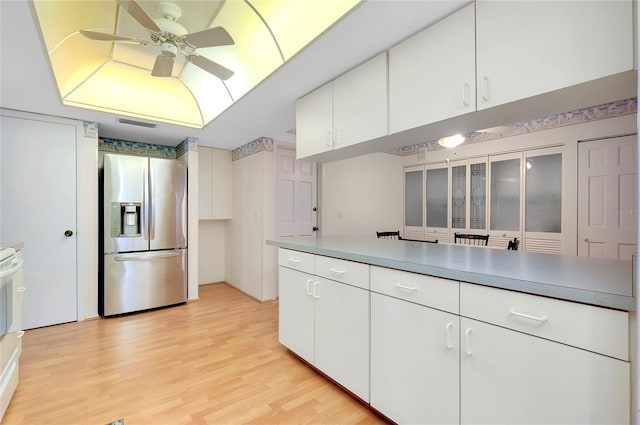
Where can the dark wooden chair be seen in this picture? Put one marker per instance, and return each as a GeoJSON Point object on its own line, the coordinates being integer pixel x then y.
{"type": "Point", "coordinates": [513, 245]}
{"type": "Point", "coordinates": [419, 240]}
{"type": "Point", "coordinates": [389, 235]}
{"type": "Point", "coordinates": [469, 239]}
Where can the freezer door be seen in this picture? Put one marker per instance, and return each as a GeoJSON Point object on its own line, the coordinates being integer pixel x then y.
{"type": "Point", "coordinates": [168, 204]}
{"type": "Point", "coordinates": [125, 203]}
{"type": "Point", "coordinates": [139, 281]}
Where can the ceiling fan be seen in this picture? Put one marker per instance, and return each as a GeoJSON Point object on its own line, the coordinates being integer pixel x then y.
{"type": "Point", "coordinates": [172, 38]}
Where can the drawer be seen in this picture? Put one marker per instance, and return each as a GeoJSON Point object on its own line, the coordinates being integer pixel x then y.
{"type": "Point", "coordinates": [356, 274]}
{"type": "Point", "coordinates": [435, 292]}
{"type": "Point", "coordinates": [596, 329]}
{"type": "Point", "coordinates": [296, 260]}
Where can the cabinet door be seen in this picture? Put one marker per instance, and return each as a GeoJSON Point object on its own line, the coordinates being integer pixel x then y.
{"type": "Point", "coordinates": [414, 203]}
{"type": "Point", "coordinates": [220, 184]}
{"type": "Point", "coordinates": [314, 122]}
{"type": "Point", "coordinates": [296, 315]}
{"type": "Point", "coordinates": [525, 48]}
{"type": "Point", "coordinates": [414, 362]}
{"type": "Point", "coordinates": [437, 202]}
{"type": "Point", "coordinates": [204, 183]}
{"type": "Point", "coordinates": [342, 335]}
{"type": "Point", "coordinates": [360, 103]}
{"type": "Point", "coordinates": [432, 75]}
{"type": "Point", "coordinates": [507, 377]}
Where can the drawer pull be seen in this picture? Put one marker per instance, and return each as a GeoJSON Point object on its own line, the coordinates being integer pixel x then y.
{"type": "Point", "coordinates": [337, 271]}
{"type": "Point", "coordinates": [294, 260]}
{"type": "Point", "coordinates": [315, 292]}
{"type": "Point", "coordinates": [449, 343]}
{"type": "Point", "coordinates": [309, 286]}
{"type": "Point", "coordinates": [528, 316]}
{"type": "Point", "coordinates": [408, 288]}
{"type": "Point", "coordinates": [467, 342]}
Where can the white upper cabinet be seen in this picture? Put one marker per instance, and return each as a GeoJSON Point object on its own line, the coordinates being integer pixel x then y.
{"type": "Point", "coordinates": [432, 74]}
{"type": "Point", "coordinates": [346, 111]}
{"type": "Point", "coordinates": [314, 122]}
{"type": "Point", "coordinates": [214, 183]}
{"type": "Point", "coordinates": [526, 48]}
{"type": "Point", "coordinates": [360, 103]}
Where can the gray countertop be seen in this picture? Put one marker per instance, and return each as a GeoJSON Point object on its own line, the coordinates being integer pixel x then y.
{"type": "Point", "coordinates": [600, 282]}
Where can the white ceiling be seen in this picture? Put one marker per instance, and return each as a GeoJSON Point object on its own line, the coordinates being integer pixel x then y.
{"type": "Point", "coordinates": [268, 110]}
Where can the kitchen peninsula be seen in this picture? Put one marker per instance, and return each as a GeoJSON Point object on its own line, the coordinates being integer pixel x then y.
{"type": "Point", "coordinates": [437, 333]}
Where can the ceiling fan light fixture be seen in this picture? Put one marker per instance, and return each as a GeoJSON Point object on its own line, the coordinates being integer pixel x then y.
{"type": "Point", "coordinates": [451, 141]}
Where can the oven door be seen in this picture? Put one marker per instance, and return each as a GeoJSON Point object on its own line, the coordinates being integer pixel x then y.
{"type": "Point", "coordinates": [10, 271]}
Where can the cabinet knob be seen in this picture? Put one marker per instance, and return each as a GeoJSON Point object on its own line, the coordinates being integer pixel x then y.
{"type": "Point", "coordinates": [68, 233]}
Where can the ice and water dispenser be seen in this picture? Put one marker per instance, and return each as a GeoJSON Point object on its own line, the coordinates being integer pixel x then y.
{"type": "Point", "coordinates": [125, 219]}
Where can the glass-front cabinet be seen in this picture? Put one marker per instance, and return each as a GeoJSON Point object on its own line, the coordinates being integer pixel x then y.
{"type": "Point", "coordinates": [505, 210]}
{"type": "Point", "coordinates": [469, 196]}
{"type": "Point", "coordinates": [514, 195]}
{"type": "Point", "coordinates": [437, 203]}
{"type": "Point", "coordinates": [414, 217]}
{"type": "Point", "coordinates": [543, 212]}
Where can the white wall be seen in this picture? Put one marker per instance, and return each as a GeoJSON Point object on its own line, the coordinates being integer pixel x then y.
{"type": "Point", "coordinates": [212, 247]}
{"type": "Point", "coordinates": [361, 195]}
{"type": "Point", "coordinates": [248, 262]}
{"type": "Point", "coordinates": [87, 223]}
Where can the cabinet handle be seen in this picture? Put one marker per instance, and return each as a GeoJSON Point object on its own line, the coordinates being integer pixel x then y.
{"type": "Point", "coordinates": [337, 271]}
{"type": "Point", "coordinates": [329, 139]}
{"type": "Point", "coordinates": [315, 287]}
{"type": "Point", "coordinates": [485, 88]}
{"type": "Point", "coordinates": [528, 316]}
{"type": "Point", "coordinates": [467, 342]}
{"type": "Point", "coordinates": [408, 288]}
{"type": "Point", "coordinates": [294, 260]}
{"type": "Point", "coordinates": [465, 94]}
{"type": "Point", "coordinates": [449, 343]}
{"type": "Point", "coordinates": [20, 334]}
{"type": "Point", "coordinates": [336, 139]}
{"type": "Point", "coordinates": [309, 286]}
{"type": "Point", "coordinates": [21, 289]}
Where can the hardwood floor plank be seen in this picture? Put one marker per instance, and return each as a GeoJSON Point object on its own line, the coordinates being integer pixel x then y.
{"type": "Point", "coordinates": [216, 361]}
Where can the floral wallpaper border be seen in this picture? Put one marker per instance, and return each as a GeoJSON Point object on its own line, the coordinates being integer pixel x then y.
{"type": "Point", "coordinates": [147, 149]}
{"type": "Point", "coordinates": [258, 145]}
{"type": "Point", "coordinates": [593, 113]}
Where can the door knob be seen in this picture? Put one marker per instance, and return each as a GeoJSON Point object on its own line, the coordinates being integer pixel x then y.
{"type": "Point", "coordinates": [315, 228]}
{"type": "Point", "coordinates": [68, 233]}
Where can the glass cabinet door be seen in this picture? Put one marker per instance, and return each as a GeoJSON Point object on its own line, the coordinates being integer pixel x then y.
{"type": "Point", "coordinates": [413, 198]}
{"type": "Point", "coordinates": [436, 194]}
{"type": "Point", "coordinates": [478, 194]}
{"type": "Point", "coordinates": [459, 197]}
{"type": "Point", "coordinates": [505, 194]}
{"type": "Point", "coordinates": [543, 193]}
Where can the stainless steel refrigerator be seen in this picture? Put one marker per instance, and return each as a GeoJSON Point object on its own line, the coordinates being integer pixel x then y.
{"type": "Point", "coordinates": [144, 233]}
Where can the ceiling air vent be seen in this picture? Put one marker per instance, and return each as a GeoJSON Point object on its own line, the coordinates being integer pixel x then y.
{"type": "Point", "coordinates": [138, 123]}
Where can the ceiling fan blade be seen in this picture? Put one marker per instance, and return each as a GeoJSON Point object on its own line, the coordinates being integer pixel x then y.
{"type": "Point", "coordinates": [211, 37]}
{"type": "Point", "coordinates": [103, 36]}
{"type": "Point", "coordinates": [139, 15]}
{"type": "Point", "coordinates": [211, 67]}
{"type": "Point", "coordinates": [163, 66]}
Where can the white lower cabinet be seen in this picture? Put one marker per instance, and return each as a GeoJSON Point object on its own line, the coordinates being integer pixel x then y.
{"type": "Point", "coordinates": [508, 377]}
{"type": "Point", "coordinates": [414, 362]}
{"type": "Point", "coordinates": [296, 320]}
{"type": "Point", "coordinates": [327, 323]}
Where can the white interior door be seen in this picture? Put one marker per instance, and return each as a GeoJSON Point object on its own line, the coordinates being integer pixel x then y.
{"type": "Point", "coordinates": [297, 195]}
{"type": "Point", "coordinates": [38, 186]}
{"type": "Point", "coordinates": [607, 197]}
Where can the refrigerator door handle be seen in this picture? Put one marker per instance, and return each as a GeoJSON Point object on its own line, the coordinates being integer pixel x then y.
{"type": "Point", "coordinates": [152, 207]}
{"type": "Point", "coordinates": [145, 210]}
{"type": "Point", "coordinates": [145, 257]}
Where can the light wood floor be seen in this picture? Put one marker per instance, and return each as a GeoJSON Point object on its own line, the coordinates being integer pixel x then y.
{"type": "Point", "coordinates": [214, 361]}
